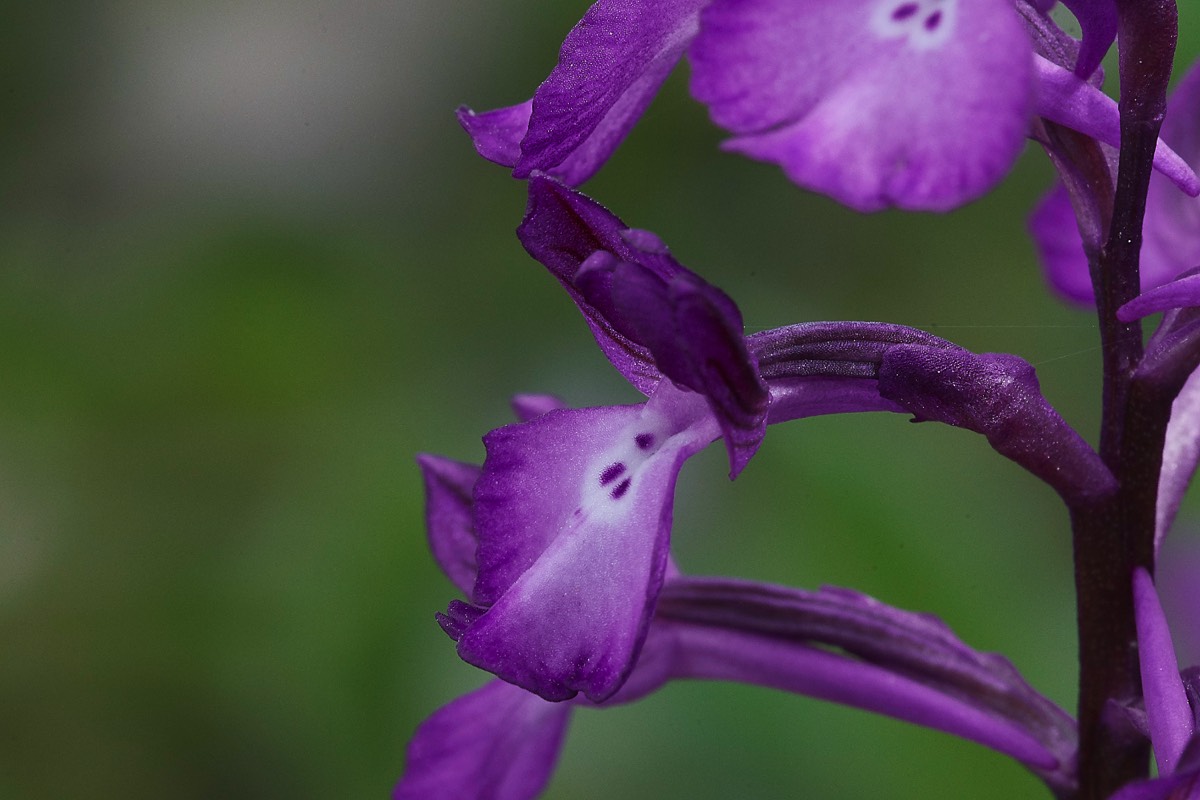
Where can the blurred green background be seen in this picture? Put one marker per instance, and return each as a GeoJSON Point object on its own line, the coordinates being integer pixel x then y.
{"type": "Point", "coordinates": [249, 266]}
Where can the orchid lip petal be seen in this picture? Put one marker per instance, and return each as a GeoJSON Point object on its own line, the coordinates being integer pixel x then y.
{"type": "Point", "coordinates": [574, 512]}
{"type": "Point", "coordinates": [803, 86]}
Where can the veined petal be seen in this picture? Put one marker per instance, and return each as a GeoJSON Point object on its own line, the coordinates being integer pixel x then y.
{"type": "Point", "coordinates": [610, 67]}
{"type": "Point", "coordinates": [497, 743]}
{"type": "Point", "coordinates": [573, 512]}
{"type": "Point", "coordinates": [448, 517]}
{"type": "Point", "coordinates": [1167, 710]}
{"type": "Point", "coordinates": [921, 104]}
{"type": "Point", "coordinates": [905, 665]}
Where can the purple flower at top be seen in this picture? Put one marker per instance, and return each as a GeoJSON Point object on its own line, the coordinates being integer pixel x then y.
{"type": "Point", "coordinates": [920, 104]}
{"type": "Point", "coordinates": [501, 742]}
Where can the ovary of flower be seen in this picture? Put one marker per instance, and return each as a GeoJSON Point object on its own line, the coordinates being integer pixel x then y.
{"type": "Point", "coordinates": [925, 24]}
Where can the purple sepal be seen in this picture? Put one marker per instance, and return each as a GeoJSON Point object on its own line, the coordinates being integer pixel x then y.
{"type": "Point", "coordinates": [827, 91]}
{"type": "Point", "coordinates": [1183, 292]}
{"type": "Point", "coordinates": [1063, 97]}
{"type": "Point", "coordinates": [902, 664]}
{"type": "Point", "coordinates": [650, 316]}
{"type": "Point", "coordinates": [1098, 19]}
{"type": "Point", "coordinates": [694, 333]}
{"type": "Point", "coordinates": [563, 229]}
{"type": "Point", "coordinates": [1169, 716]}
{"type": "Point", "coordinates": [532, 406]}
{"type": "Point", "coordinates": [996, 395]}
{"type": "Point", "coordinates": [449, 525]}
{"type": "Point", "coordinates": [1181, 454]}
{"type": "Point", "coordinates": [611, 65]}
{"type": "Point", "coordinates": [497, 743]}
{"type": "Point", "coordinates": [497, 134]}
{"type": "Point", "coordinates": [1055, 233]}
{"type": "Point", "coordinates": [573, 514]}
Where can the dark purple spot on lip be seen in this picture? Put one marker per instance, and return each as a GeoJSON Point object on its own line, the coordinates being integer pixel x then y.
{"type": "Point", "coordinates": [611, 473]}
{"type": "Point", "coordinates": [904, 12]}
{"type": "Point", "coordinates": [933, 20]}
{"type": "Point", "coordinates": [644, 440]}
{"type": "Point", "coordinates": [621, 489]}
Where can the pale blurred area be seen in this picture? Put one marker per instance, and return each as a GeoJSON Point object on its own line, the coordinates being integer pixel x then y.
{"type": "Point", "coordinates": [249, 266]}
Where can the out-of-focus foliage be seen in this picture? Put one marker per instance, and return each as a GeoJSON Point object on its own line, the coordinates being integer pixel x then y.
{"type": "Point", "coordinates": [249, 266]}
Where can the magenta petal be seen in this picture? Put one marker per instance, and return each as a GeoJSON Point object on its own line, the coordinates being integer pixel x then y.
{"type": "Point", "coordinates": [1181, 454]}
{"type": "Point", "coordinates": [1167, 710]}
{"type": "Point", "coordinates": [868, 102]}
{"type": "Point", "coordinates": [1063, 97]}
{"type": "Point", "coordinates": [1180, 293]}
{"type": "Point", "coordinates": [532, 406]}
{"type": "Point", "coordinates": [1098, 19]}
{"type": "Point", "coordinates": [448, 517]}
{"type": "Point", "coordinates": [497, 743]}
{"type": "Point", "coordinates": [574, 513]}
{"type": "Point", "coordinates": [694, 333]}
{"type": "Point", "coordinates": [563, 229]}
{"type": "Point", "coordinates": [497, 134]}
{"type": "Point", "coordinates": [611, 65]}
{"type": "Point", "coordinates": [1060, 247]}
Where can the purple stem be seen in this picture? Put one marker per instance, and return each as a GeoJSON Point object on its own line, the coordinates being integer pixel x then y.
{"type": "Point", "coordinates": [1116, 535]}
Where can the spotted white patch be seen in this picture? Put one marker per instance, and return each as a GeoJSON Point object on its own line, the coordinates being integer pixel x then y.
{"type": "Point", "coordinates": [611, 479]}
{"type": "Point", "coordinates": [923, 24]}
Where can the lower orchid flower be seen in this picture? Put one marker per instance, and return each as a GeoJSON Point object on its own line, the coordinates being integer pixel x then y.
{"type": "Point", "coordinates": [501, 742]}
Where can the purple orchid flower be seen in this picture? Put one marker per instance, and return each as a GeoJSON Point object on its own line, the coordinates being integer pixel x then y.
{"type": "Point", "coordinates": [1172, 712]}
{"type": "Point", "coordinates": [919, 104]}
{"type": "Point", "coordinates": [502, 742]}
{"type": "Point", "coordinates": [573, 507]}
